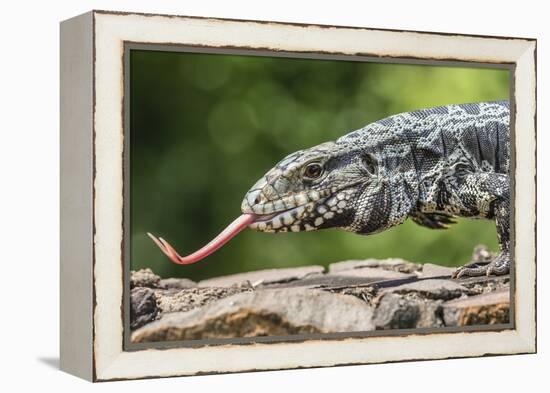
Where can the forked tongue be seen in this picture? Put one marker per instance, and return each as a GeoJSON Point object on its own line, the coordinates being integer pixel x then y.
{"type": "Point", "coordinates": [227, 234]}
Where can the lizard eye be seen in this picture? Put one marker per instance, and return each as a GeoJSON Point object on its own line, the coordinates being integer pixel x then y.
{"type": "Point", "coordinates": [313, 171]}
{"type": "Point", "coordinates": [370, 165]}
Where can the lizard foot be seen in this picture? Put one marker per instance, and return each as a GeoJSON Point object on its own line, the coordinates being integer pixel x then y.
{"type": "Point", "coordinates": [497, 267]}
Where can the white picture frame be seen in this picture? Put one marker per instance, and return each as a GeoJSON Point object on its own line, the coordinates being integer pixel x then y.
{"type": "Point", "coordinates": [92, 193]}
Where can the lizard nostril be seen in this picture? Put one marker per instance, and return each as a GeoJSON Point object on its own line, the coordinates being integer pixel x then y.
{"type": "Point", "coordinates": [258, 199]}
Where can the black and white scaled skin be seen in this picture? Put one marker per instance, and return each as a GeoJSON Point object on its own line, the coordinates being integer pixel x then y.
{"type": "Point", "coordinates": [429, 165]}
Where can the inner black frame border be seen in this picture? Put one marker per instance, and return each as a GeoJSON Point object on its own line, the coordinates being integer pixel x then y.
{"type": "Point", "coordinates": [264, 52]}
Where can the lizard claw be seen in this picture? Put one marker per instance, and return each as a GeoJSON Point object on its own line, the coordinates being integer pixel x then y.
{"type": "Point", "coordinates": [497, 267]}
{"type": "Point", "coordinates": [470, 270]}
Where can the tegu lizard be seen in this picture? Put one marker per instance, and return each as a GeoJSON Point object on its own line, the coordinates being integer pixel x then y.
{"type": "Point", "coordinates": [429, 165]}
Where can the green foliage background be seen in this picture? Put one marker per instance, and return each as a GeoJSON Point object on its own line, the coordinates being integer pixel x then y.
{"type": "Point", "coordinates": [205, 127]}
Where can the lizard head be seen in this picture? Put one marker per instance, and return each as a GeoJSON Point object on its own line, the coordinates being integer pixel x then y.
{"type": "Point", "coordinates": [353, 185]}
{"type": "Point", "coordinates": [326, 186]}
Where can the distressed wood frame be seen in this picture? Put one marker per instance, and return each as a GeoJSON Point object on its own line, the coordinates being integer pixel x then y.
{"type": "Point", "coordinates": [92, 192]}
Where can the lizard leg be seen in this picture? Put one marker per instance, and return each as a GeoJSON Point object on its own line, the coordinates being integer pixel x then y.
{"type": "Point", "coordinates": [487, 195]}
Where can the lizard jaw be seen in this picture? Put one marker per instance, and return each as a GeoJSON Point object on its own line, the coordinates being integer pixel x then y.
{"type": "Point", "coordinates": [318, 212]}
{"type": "Point", "coordinates": [285, 220]}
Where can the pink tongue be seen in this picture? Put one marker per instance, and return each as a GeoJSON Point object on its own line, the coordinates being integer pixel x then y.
{"type": "Point", "coordinates": [227, 234]}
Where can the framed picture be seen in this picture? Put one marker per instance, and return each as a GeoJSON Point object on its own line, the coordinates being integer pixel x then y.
{"type": "Point", "coordinates": [373, 191]}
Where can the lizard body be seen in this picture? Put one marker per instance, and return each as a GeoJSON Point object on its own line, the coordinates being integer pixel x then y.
{"type": "Point", "coordinates": [429, 165]}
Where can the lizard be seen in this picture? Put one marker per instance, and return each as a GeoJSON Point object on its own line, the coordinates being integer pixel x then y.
{"type": "Point", "coordinates": [429, 165]}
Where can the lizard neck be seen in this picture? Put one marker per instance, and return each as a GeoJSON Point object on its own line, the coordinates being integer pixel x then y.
{"type": "Point", "coordinates": [390, 204]}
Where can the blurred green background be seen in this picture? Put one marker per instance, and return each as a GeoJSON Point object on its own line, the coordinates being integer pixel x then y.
{"type": "Point", "coordinates": [205, 127]}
